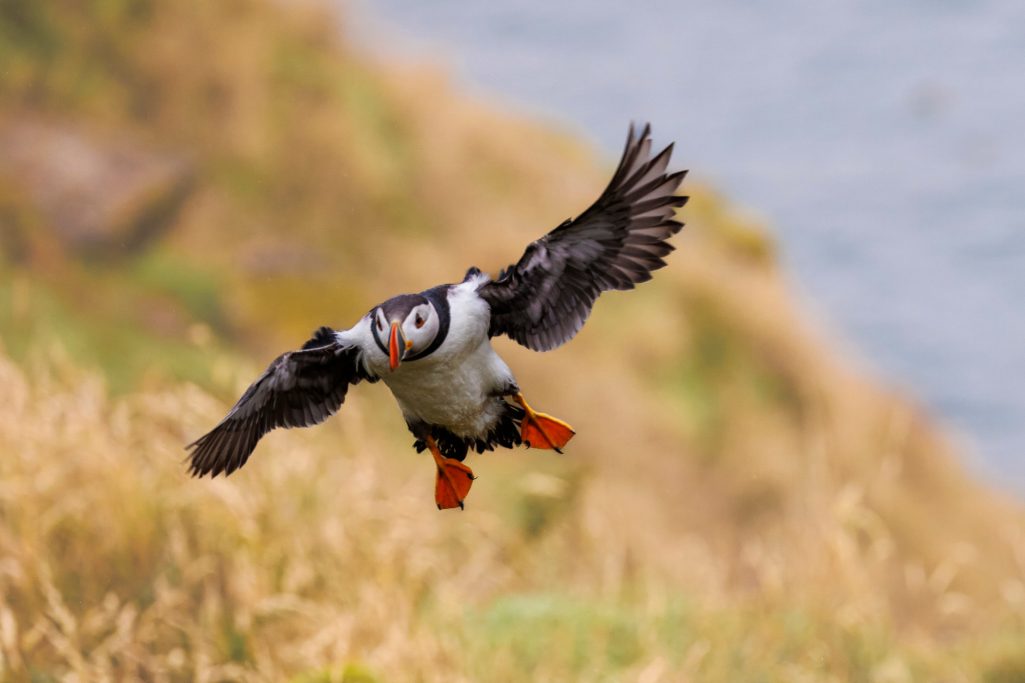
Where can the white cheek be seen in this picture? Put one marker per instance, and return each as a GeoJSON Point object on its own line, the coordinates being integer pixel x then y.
{"type": "Point", "coordinates": [414, 336]}
{"type": "Point", "coordinates": [423, 336]}
{"type": "Point", "coordinates": [409, 333]}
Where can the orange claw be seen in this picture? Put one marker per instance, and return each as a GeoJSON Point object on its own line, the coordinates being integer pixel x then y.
{"type": "Point", "coordinates": [453, 481]}
{"type": "Point", "coordinates": [542, 431]}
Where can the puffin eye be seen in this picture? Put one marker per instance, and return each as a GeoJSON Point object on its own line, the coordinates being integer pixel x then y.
{"type": "Point", "coordinates": [419, 321]}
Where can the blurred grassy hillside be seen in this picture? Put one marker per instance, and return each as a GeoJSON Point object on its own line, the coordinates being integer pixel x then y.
{"type": "Point", "coordinates": [189, 188]}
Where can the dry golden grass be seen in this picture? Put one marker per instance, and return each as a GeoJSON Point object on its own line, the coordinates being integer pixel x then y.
{"type": "Point", "coordinates": [325, 560]}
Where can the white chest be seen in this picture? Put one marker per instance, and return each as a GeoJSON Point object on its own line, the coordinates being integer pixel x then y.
{"type": "Point", "coordinates": [454, 387]}
{"type": "Point", "coordinates": [457, 394]}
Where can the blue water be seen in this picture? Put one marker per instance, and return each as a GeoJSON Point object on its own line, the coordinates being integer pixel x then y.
{"type": "Point", "coordinates": [883, 142]}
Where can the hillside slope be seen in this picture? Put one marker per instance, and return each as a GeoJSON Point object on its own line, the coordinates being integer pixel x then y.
{"type": "Point", "coordinates": [738, 500]}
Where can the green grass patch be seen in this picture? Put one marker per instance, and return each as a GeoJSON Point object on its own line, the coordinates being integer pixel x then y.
{"type": "Point", "coordinates": [196, 288]}
{"type": "Point", "coordinates": [721, 369]}
{"type": "Point", "coordinates": [548, 635]}
{"type": "Point", "coordinates": [137, 331]}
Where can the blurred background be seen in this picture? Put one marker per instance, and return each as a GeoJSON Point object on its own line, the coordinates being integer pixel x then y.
{"type": "Point", "coordinates": [881, 142]}
{"type": "Point", "coordinates": [188, 189]}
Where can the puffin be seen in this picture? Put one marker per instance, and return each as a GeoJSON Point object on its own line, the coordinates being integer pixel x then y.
{"type": "Point", "coordinates": [433, 349]}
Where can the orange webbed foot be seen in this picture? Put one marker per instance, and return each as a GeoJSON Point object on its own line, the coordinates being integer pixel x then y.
{"type": "Point", "coordinates": [539, 430]}
{"type": "Point", "coordinates": [544, 431]}
{"type": "Point", "coordinates": [453, 481]}
{"type": "Point", "coordinates": [453, 484]}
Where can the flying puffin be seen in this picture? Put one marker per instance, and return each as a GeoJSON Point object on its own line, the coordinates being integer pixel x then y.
{"type": "Point", "coordinates": [433, 349]}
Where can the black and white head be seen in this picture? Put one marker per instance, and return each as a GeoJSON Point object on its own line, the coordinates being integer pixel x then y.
{"type": "Point", "coordinates": [407, 327]}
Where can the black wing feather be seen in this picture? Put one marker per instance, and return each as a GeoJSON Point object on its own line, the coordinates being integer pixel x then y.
{"type": "Point", "coordinates": [543, 300]}
{"type": "Point", "coordinates": [298, 389]}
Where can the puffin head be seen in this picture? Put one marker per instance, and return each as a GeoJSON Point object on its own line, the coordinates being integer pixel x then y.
{"type": "Point", "coordinates": [404, 327]}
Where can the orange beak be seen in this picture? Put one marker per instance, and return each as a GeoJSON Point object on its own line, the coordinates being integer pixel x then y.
{"type": "Point", "coordinates": [395, 342]}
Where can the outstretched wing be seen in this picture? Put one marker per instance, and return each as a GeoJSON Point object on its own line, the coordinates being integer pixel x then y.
{"type": "Point", "coordinates": [298, 389]}
{"type": "Point", "coordinates": [543, 301]}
